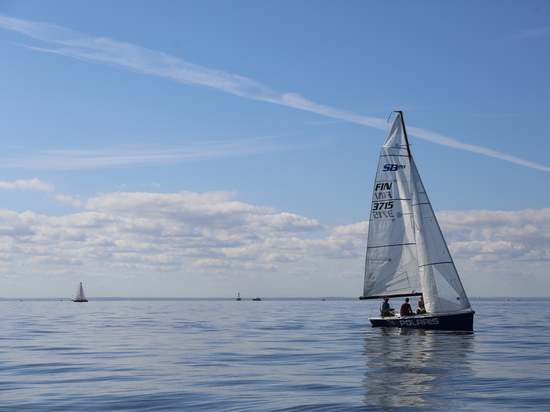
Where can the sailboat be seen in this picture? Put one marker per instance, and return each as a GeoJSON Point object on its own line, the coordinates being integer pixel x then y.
{"type": "Point", "coordinates": [406, 252]}
{"type": "Point", "coordinates": [80, 296]}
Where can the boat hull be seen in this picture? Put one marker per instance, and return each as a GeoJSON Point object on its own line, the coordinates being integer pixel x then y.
{"type": "Point", "coordinates": [446, 321]}
{"type": "Point", "coordinates": [81, 300]}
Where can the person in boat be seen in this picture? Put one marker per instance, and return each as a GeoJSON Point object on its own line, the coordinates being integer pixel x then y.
{"type": "Point", "coordinates": [385, 309]}
{"type": "Point", "coordinates": [420, 308]}
{"type": "Point", "coordinates": [406, 309]}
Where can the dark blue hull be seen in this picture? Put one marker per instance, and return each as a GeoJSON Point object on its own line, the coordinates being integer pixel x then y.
{"type": "Point", "coordinates": [447, 321]}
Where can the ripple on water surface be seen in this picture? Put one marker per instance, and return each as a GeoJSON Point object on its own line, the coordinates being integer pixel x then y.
{"type": "Point", "coordinates": [268, 356]}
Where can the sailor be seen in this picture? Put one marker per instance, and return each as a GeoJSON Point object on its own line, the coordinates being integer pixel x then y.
{"type": "Point", "coordinates": [406, 309]}
{"type": "Point", "coordinates": [420, 306]}
{"type": "Point", "coordinates": [385, 309]}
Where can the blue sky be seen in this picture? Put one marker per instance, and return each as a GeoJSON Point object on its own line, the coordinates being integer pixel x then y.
{"type": "Point", "coordinates": [205, 148]}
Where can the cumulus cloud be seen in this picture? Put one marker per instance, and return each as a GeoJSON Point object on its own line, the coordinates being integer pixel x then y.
{"type": "Point", "coordinates": [532, 226]}
{"type": "Point", "coordinates": [201, 233]}
{"type": "Point", "coordinates": [284, 222]}
{"type": "Point", "coordinates": [71, 200]}
{"type": "Point", "coordinates": [503, 251]}
{"type": "Point", "coordinates": [30, 184]}
{"type": "Point", "coordinates": [232, 264]}
{"type": "Point", "coordinates": [212, 234]}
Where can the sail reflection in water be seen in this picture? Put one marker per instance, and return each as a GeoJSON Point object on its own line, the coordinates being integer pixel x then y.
{"type": "Point", "coordinates": [416, 367]}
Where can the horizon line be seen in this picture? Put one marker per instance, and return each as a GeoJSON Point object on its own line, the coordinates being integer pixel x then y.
{"type": "Point", "coordinates": [152, 298]}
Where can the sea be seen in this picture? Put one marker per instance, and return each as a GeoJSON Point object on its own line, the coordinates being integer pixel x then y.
{"type": "Point", "coordinates": [273, 355]}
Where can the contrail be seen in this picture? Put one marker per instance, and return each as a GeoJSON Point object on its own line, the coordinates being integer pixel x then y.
{"type": "Point", "coordinates": [128, 56]}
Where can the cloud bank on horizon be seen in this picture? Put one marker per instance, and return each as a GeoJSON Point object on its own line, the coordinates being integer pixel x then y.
{"type": "Point", "coordinates": [131, 57]}
{"type": "Point", "coordinates": [128, 235]}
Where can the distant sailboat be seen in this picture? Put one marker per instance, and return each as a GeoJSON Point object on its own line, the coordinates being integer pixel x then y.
{"type": "Point", "coordinates": [80, 296]}
{"type": "Point", "coordinates": [406, 252]}
{"type": "Point", "coordinates": [239, 297]}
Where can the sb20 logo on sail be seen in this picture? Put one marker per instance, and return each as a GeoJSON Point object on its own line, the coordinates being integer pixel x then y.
{"type": "Point", "coordinates": [393, 168]}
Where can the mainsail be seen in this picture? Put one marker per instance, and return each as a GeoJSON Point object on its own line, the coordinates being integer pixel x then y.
{"type": "Point", "coordinates": [391, 267]}
{"type": "Point", "coordinates": [406, 252]}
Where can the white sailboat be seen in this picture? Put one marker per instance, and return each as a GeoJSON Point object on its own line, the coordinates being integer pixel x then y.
{"type": "Point", "coordinates": [80, 296]}
{"type": "Point", "coordinates": [406, 251]}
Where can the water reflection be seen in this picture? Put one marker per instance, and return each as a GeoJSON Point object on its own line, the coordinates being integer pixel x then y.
{"type": "Point", "coordinates": [415, 367]}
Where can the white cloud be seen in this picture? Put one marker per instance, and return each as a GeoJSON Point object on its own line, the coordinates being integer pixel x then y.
{"type": "Point", "coordinates": [135, 58]}
{"type": "Point", "coordinates": [30, 184]}
{"type": "Point", "coordinates": [232, 264]}
{"type": "Point", "coordinates": [284, 222]}
{"type": "Point", "coordinates": [71, 200]}
{"type": "Point", "coordinates": [532, 226]}
{"type": "Point", "coordinates": [52, 260]}
{"type": "Point", "coordinates": [499, 252]}
{"type": "Point", "coordinates": [147, 155]}
{"type": "Point", "coordinates": [188, 212]}
{"type": "Point", "coordinates": [199, 235]}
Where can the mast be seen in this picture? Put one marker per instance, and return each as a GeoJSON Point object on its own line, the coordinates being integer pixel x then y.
{"type": "Point", "coordinates": [405, 133]}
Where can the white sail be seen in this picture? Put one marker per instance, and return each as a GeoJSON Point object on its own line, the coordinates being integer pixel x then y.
{"type": "Point", "coordinates": [406, 251]}
{"type": "Point", "coordinates": [391, 267]}
{"type": "Point", "coordinates": [80, 292]}
{"type": "Point", "coordinates": [443, 291]}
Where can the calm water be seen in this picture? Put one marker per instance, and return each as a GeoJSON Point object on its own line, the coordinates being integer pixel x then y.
{"type": "Point", "coordinates": [267, 356]}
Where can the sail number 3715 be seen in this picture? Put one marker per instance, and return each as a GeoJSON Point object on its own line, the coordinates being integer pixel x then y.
{"type": "Point", "coordinates": [382, 205]}
{"type": "Point", "coordinates": [381, 210]}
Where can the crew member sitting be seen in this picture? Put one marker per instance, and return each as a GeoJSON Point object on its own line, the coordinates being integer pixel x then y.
{"type": "Point", "coordinates": [406, 309]}
{"type": "Point", "coordinates": [385, 309]}
{"type": "Point", "coordinates": [420, 306]}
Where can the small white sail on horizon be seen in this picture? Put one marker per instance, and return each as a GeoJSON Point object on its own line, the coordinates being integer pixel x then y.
{"type": "Point", "coordinates": [80, 296]}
